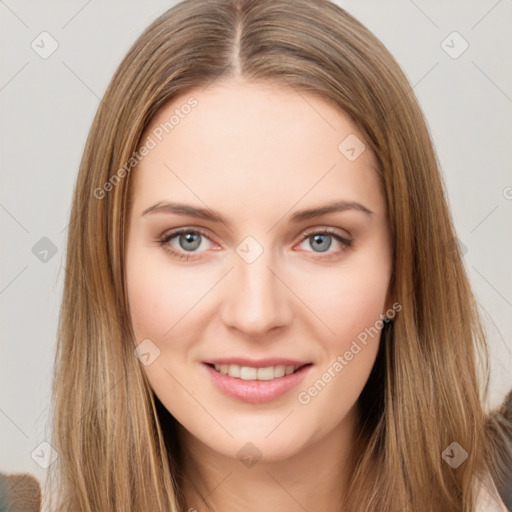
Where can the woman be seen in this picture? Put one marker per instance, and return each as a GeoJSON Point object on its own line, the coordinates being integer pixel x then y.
{"type": "Point", "coordinates": [312, 343]}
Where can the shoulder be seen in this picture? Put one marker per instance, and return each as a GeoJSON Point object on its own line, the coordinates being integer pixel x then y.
{"type": "Point", "coordinates": [487, 498]}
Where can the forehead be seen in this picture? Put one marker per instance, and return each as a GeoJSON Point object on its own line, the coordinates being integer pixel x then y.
{"type": "Point", "coordinates": [250, 141]}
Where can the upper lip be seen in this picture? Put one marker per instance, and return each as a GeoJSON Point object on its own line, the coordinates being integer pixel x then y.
{"type": "Point", "coordinates": [257, 363]}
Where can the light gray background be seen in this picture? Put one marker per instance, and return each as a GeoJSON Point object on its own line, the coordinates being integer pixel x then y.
{"type": "Point", "coordinates": [47, 106]}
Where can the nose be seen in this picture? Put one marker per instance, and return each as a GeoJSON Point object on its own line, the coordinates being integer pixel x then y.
{"type": "Point", "coordinates": [256, 300]}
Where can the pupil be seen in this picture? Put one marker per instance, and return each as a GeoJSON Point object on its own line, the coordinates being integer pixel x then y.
{"type": "Point", "coordinates": [320, 242]}
{"type": "Point", "coordinates": [190, 238]}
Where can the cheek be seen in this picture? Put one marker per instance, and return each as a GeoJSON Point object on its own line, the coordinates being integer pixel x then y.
{"type": "Point", "coordinates": [162, 306]}
{"type": "Point", "coordinates": [347, 302]}
{"type": "Point", "coordinates": [159, 297]}
{"type": "Point", "coordinates": [351, 307]}
{"type": "Point", "coordinates": [358, 296]}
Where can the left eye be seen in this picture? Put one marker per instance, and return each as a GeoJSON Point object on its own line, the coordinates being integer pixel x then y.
{"type": "Point", "coordinates": [323, 240]}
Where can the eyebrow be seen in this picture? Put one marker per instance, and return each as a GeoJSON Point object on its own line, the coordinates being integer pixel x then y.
{"type": "Point", "coordinates": [212, 215]}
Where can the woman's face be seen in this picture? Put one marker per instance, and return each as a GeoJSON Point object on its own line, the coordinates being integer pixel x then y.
{"type": "Point", "coordinates": [253, 281]}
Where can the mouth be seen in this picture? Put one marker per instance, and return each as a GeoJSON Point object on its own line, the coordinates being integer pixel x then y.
{"type": "Point", "coordinates": [256, 385]}
{"type": "Point", "coordinates": [252, 373]}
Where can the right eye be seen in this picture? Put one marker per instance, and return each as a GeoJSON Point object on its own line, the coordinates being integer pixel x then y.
{"type": "Point", "coordinates": [187, 242]}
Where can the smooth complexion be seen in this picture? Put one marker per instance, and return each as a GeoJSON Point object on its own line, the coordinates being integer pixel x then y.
{"type": "Point", "coordinates": [256, 154]}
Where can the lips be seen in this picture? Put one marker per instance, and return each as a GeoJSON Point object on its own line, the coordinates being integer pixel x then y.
{"type": "Point", "coordinates": [250, 385]}
{"type": "Point", "coordinates": [257, 363]}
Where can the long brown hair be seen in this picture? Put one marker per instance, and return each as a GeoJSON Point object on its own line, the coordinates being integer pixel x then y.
{"type": "Point", "coordinates": [430, 379]}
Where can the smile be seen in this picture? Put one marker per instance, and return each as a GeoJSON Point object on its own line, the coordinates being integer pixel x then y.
{"type": "Point", "coordinates": [251, 373]}
{"type": "Point", "coordinates": [256, 385]}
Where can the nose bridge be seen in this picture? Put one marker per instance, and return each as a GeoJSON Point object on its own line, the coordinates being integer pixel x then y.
{"type": "Point", "coordinates": [257, 300]}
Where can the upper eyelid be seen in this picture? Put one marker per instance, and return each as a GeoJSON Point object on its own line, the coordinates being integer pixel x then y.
{"type": "Point", "coordinates": [329, 230]}
{"type": "Point", "coordinates": [307, 231]}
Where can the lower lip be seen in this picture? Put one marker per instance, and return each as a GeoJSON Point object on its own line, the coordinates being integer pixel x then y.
{"type": "Point", "coordinates": [257, 391]}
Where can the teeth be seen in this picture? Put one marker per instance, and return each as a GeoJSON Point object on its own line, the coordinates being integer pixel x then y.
{"type": "Point", "coordinates": [249, 373]}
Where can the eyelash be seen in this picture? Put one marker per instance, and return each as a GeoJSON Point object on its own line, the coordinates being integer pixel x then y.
{"type": "Point", "coordinates": [165, 239]}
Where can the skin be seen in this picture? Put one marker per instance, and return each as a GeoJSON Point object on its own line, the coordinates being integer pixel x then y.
{"type": "Point", "coordinates": [257, 153]}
